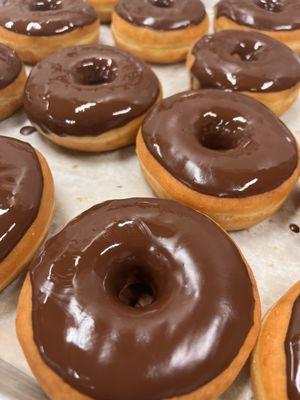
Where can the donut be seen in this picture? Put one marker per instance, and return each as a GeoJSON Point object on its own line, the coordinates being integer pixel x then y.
{"type": "Point", "coordinates": [12, 82]}
{"type": "Point", "coordinates": [27, 202]}
{"type": "Point", "coordinates": [246, 61]}
{"type": "Point", "coordinates": [279, 19]}
{"type": "Point", "coordinates": [38, 28]}
{"type": "Point", "coordinates": [275, 364]}
{"type": "Point", "coordinates": [125, 304]}
{"type": "Point", "coordinates": [159, 31]}
{"type": "Point", "coordinates": [104, 8]}
{"type": "Point", "coordinates": [223, 154]}
{"type": "Point", "coordinates": [90, 98]}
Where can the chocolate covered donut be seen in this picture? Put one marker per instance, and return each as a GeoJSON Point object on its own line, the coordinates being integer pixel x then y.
{"type": "Point", "coordinates": [276, 363]}
{"type": "Point", "coordinates": [90, 98]}
{"type": "Point", "coordinates": [159, 30]}
{"type": "Point", "coordinates": [222, 153]}
{"type": "Point", "coordinates": [23, 205]}
{"type": "Point", "coordinates": [122, 295]}
{"type": "Point", "coordinates": [12, 81]}
{"type": "Point", "coordinates": [277, 18]}
{"type": "Point", "coordinates": [249, 62]}
{"type": "Point", "coordinates": [37, 28]}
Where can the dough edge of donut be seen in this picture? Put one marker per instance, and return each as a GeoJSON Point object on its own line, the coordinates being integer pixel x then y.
{"type": "Point", "coordinates": [21, 255]}
{"type": "Point", "coordinates": [32, 49]}
{"type": "Point", "coordinates": [103, 8]}
{"type": "Point", "coordinates": [57, 389]}
{"type": "Point", "coordinates": [156, 46]}
{"type": "Point", "coordinates": [231, 213]}
{"type": "Point", "coordinates": [268, 363]}
{"type": "Point", "coordinates": [278, 102]}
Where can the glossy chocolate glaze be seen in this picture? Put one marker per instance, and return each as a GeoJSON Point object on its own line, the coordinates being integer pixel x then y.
{"type": "Point", "coordinates": [245, 61]}
{"type": "Point", "coordinates": [162, 14]}
{"type": "Point", "coordinates": [292, 348]}
{"type": "Point", "coordinates": [10, 66]}
{"type": "Point", "coordinates": [45, 17]}
{"type": "Point", "coordinates": [131, 301]}
{"type": "Point", "coordinates": [21, 187]}
{"type": "Point", "coordinates": [221, 144]}
{"type": "Point", "coordinates": [88, 90]}
{"type": "Point", "coordinates": [275, 15]}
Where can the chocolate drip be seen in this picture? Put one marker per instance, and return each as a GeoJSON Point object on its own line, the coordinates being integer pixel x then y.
{"type": "Point", "coordinates": [89, 90]}
{"type": "Point", "coordinates": [294, 228]}
{"type": "Point", "coordinates": [245, 61]}
{"type": "Point", "coordinates": [27, 130]}
{"type": "Point", "coordinates": [292, 348]}
{"type": "Point", "coordinates": [124, 295]}
{"type": "Point", "coordinates": [273, 15]}
{"type": "Point", "coordinates": [162, 14]}
{"type": "Point", "coordinates": [10, 66]}
{"type": "Point", "coordinates": [21, 186]}
{"type": "Point", "coordinates": [221, 144]}
{"type": "Point", "coordinates": [45, 17]}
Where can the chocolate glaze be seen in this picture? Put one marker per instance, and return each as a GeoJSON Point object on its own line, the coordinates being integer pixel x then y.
{"type": "Point", "coordinates": [45, 17]}
{"type": "Point", "coordinates": [129, 305]}
{"type": "Point", "coordinates": [221, 144]}
{"type": "Point", "coordinates": [292, 348]}
{"type": "Point", "coordinates": [246, 61]}
{"type": "Point", "coordinates": [10, 66]}
{"type": "Point", "coordinates": [273, 15]}
{"type": "Point", "coordinates": [21, 186]}
{"type": "Point", "coordinates": [162, 14]}
{"type": "Point", "coordinates": [88, 90]}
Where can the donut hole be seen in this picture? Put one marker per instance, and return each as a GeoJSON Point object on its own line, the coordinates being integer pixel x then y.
{"type": "Point", "coordinates": [248, 50]}
{"type": "Point", "coordinates": [95, 71]}
{"type": "Point", "coordinates": [162, 3]}
{"type": "Point", "coordinates": [45, 5]}
{"type": "Point", "coordinates": [133, 286]}
{"type": "Point", "coordinates": [222, 134]}
{"type": "Point", "coordinates": [270, 5]}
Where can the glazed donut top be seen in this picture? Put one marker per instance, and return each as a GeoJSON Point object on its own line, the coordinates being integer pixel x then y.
{"type": "Point", "coordinates": [161, 14]}
{"type": "Point", "coordinates": [130, 305]}
{"type": "Point", "coordinates": [45, 17]}
{"type": "Point", "coordinates": [277, 15]}
{"type": "Point", "coordinates": [221, 144]}
{"type": "Point", "coordinates": [21, 186]}
{"type": "Point", "coordinates": [244, 60]}
{"type": "Point", "coordinates": [88, 90]}
{"type": "Point", "coordinates": [292, 348]}
{"type": "Point", "coordinates": [10, 66]}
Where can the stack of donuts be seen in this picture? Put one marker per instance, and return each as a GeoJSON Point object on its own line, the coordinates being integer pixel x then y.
{"type": "Point", "coordinates": [150, 298]}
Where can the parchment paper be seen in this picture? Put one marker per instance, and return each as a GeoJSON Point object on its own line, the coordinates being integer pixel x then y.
{"type": "Point", "coordinates": [81, 181]}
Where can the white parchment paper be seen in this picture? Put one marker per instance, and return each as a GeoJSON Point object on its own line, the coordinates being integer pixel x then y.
{"type": "Point", "coordinates": [81, 181]}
